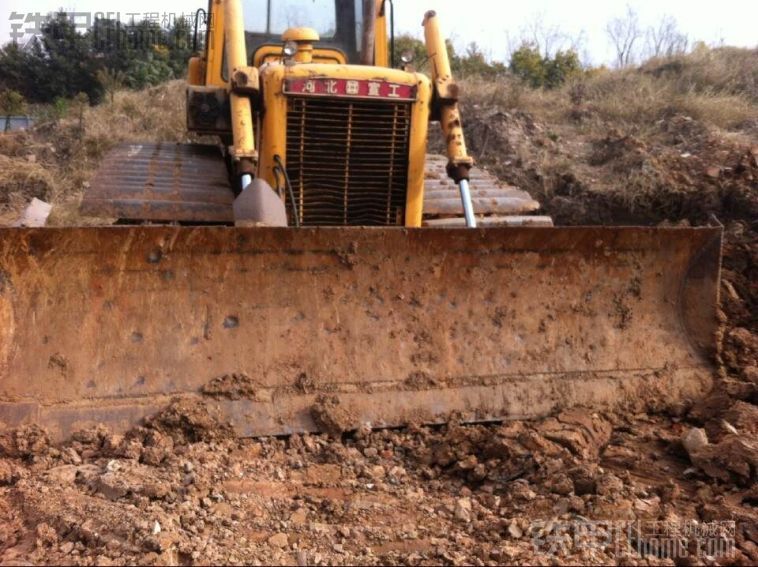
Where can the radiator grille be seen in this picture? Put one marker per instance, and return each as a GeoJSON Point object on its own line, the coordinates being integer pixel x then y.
{"type": "Point", "coordinates": [348, 160]}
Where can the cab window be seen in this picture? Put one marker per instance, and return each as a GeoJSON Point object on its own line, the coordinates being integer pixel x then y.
{"type": "Point", "coordinates": [338, 22]}
{"type": "Point", "coordinates": [274, 18]}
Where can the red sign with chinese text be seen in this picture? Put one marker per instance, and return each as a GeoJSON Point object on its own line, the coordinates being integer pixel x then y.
{"type": "Point", "coordinates": [350, 88]}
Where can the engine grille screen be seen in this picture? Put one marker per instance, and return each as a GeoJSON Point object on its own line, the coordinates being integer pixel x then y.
{"type": "Point", "coordinates": [347, 160]}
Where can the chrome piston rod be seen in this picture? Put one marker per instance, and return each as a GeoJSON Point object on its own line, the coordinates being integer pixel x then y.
{"type": "Point", "coordinates": [246, 180]}
{"type": "Point", "coordinates": [468, 206]}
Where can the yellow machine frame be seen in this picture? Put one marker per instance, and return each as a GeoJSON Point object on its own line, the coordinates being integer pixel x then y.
{"type": "Point", "coordinates": [226, 36]}
{"type": "Point", "coordinates": [211, 73]}
{"type": "Point", "coordinates": [272, 79]}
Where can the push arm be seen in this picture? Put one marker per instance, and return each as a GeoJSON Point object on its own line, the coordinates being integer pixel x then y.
{"type": "Point", "coordinates": [446, 101]}
{"type": "Point", "coordinates": [243, 82]}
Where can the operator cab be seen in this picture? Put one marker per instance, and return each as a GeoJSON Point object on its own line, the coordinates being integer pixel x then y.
{"type": "Point", "coordinates": [339, 24]}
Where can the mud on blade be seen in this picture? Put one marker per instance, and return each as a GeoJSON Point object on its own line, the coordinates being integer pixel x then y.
{"type": "Point", "coordinates": [106, 325]}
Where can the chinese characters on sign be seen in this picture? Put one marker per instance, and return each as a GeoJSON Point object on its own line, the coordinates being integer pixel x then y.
{"type": "Point", "coordinates": [350, 87]}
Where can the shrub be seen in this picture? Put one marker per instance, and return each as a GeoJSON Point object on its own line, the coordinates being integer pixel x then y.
{"type": "Point", "coordinates": [11, 102]}
{"type": "Point", "coordinates": [472, 63]}
{"type": "Point", "coordinates": [407, 43]}
{"type": "Point", "coordinates": [562, 67]}
{"type": "Point", "coordinates": [529, 65]}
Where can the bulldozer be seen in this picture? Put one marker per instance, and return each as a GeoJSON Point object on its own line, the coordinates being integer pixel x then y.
{"type": "Point", "coordinates": [315, 266]}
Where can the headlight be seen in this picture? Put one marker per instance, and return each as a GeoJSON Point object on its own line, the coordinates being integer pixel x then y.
{"type": "Point", "coordinates": [407, 56]}
{"type": "Point", "coordinates": [289, 49]}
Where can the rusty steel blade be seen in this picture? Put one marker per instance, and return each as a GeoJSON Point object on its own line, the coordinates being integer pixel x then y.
{"type": "Point", "coordinates": [106, 325]}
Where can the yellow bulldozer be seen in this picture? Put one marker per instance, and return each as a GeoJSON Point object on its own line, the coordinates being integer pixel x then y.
{"type": "Point", "coordinates": [317, 260]}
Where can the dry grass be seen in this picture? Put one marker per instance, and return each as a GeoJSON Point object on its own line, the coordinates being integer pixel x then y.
{"type": "Point", "coordinates": [727, 70]}
{"type": "Point", "coordinates": [637, 98]}
{"type": "Point", "coordinates": [19, 176]}
{"type": "Point", "coordinates": [511, 95]}
{"type": "Point", "coordinates": [155, 114]}
{"type": "Point", "coordinates": [20, 181]}
{"type": "Point", "coordinates": [56, 161]}
{"type": "Point", "coordinates": [718, 87]}
{"type": "Point", "coordinates": [22, 175]}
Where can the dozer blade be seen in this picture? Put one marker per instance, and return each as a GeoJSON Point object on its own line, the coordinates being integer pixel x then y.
{"type": "Point", "coordinates": [386, 326]}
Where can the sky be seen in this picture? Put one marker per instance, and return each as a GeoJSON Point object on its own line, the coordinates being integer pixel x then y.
{"type": "Point", "coordinates": [493, 25]}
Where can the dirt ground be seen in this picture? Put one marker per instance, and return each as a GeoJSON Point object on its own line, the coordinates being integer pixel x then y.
{"type": "Point", "coordinates": [181, 491]}
{"type": "Point", "coordinates": [575, 488]}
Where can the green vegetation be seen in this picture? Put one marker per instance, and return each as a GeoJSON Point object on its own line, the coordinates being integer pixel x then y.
{"type": "Point", "coordinates": [471, 63]}
{"type": "Point", "coordinates": [406, 44]}
{"type": "Point", "coordinates": [527, 64]}
{"type": "Point", "coordinates": [474, 63]}
{"type": "Point", "coordinates": [62, 62]}
{"type": "Point", "coordinates": [11, 102]}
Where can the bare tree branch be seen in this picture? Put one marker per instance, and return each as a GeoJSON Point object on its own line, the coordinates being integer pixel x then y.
{"type": "Point", "coordinates": [624, 32]}
{"type": "Point", "coordinates": [665, 39]}
{"type": "Point", "coordinates": [547, 38]}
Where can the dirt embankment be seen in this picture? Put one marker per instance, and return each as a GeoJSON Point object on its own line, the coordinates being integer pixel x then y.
{"type": "Point", "coordinates": [678, 170]}
{"type": "Point", "coordinates": [56, 160]}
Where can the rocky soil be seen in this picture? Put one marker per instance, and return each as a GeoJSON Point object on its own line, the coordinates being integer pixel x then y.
{"type": "Point", "coordinates": [575, 488]}
{"type": "Point", "coordinates": [187, 492]}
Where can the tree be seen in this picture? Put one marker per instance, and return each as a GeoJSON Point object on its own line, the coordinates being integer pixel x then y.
{"type": "Point", "coordinates": [414, 47]}
{"type": "Point", "coordinates": [474, 63]}
{"type": "Point", "coordinates": [547, 38]}
{"type": "Point", "coordinates": [111, 80]}
{"type": "Point", "coordinates": [665, 39]}
{"type": "Point", "coordinates": [11, 102]}
{"type": "Point", "coordinates": [60, 63]}
{"type": "Point", "coordinates": [563, 66]}
{"type": "Point", "coordinates": [67, 59]}
{"type": "Point", "coordinates": [543, 71]}
{"type": "Point", "coordinates": [17, 68]}
{"type": "Point", "coordinates": [624, 33]}
{"type": "Point", "coordinates": [111, 44]}
{"type": "Point", "coordinates": [180, 46]}
{"type": "Point", "coordinates": [144, 53]}
{"type": "Point", "coordinates": [452, 55]}
{"type": "Point", "coordinates": [527, 64]}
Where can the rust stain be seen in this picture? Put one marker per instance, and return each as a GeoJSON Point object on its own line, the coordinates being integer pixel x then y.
{"type": "Point", "coordinates": [470, 311]}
